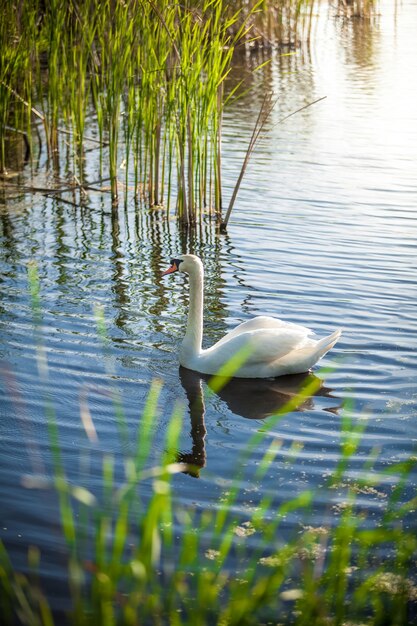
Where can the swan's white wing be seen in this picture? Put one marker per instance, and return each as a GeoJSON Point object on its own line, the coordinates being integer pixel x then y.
{"type": "Point", "coordinates": [263, 344]}
{"type": "Point", "coordinates": [262, 322]}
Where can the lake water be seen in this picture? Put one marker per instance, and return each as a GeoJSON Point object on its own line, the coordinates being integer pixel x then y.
{"type": "Point", "coordinates": [323, 234]}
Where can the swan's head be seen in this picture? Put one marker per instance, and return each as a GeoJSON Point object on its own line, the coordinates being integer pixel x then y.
{"type": "Point", "coordinates": [188, 263]}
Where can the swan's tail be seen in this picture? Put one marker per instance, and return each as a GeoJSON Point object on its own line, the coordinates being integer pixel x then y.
{"type": "Point", "coordinates": [302, 360]}
{"type": "Point", "coordinates": [325, 344]}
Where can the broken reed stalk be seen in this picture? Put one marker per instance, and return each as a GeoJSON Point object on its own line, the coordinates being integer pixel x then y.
{"type": "Point", "coordinates": [218, 182]}
{"type": "Point", "coordinates": [265, 111]}
{"type": "Point", "coordinates": [264, 114]}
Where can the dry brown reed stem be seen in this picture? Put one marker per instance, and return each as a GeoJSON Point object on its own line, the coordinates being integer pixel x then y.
{"type": "Point", "coordinates": [218, 195]}
{"type": "Point", "coordinates": [264, 113]}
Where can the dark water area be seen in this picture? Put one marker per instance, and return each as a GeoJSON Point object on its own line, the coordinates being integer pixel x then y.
{"type": "Point", "coordinates": [323, 234]}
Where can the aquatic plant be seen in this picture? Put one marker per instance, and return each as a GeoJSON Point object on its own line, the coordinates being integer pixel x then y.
{"type": "Point", "coordinates": [157, 67]}
{"type": "Point", "coordinates": [17, 55]}
{"type": "Point", "coordinates": [147, 77]}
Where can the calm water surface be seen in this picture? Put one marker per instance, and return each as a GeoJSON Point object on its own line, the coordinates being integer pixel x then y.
{"type": "Point", "coordinates": [323, 234]}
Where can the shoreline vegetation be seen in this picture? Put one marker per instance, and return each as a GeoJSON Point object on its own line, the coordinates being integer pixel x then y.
{"type": "Point", "coordinates": [146, 79]}
{"type": "Point", "coordinates": [134, 555]}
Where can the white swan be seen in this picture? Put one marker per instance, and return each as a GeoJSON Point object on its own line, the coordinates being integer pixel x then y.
{"type": "Point", "coordinates": [263, 346]}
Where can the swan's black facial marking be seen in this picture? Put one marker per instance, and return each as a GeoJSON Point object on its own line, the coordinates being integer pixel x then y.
{"type": "Point", "coordinates": [174, 267]}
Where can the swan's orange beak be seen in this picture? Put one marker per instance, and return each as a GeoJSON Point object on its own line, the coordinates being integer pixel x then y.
{"type": "Point", "coordinates": [171, 269]}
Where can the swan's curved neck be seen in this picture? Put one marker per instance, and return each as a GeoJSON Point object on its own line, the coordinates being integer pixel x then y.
{"type": "Point", "coordinates": [194, 333]}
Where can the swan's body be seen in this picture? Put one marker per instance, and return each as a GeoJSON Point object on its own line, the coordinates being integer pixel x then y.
{"type": "Point", "coordinates": [259, 348]}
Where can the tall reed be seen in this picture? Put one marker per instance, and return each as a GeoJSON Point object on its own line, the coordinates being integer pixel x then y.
{"type": "Point", "coordinates": [149, 75]}
{"type": "Point", "coordinates": [17, 56]}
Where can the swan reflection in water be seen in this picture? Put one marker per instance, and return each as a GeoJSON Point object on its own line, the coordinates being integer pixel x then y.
{"type": "Point", "coordinates": [247, 397]}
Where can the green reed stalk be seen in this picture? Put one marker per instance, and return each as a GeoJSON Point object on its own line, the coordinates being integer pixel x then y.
{"type": "Point", "coordinates": [79, 46]}
{"type": "Point", "coordinates": [167, 62]}
{"type": "Point", "coordinates": [56, 29]}
{"type": "Point", "coordinates": [16, 53]}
